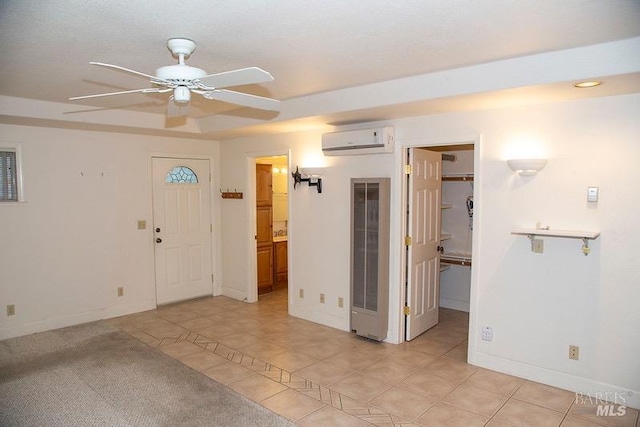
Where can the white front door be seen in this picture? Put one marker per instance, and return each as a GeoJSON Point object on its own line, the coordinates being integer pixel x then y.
{"type": "Point", "coordinates": [423, 226]}
{"type": "Point", "coordinates": [182, 229]}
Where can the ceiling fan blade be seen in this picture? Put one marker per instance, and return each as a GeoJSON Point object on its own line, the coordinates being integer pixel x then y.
{"type": "Point", "coordinates": [176, 110]}
{"type": "Point", "coordinates": [145, 90]}
{"type": "Point", "coordinates": [241, 99]}
{"type": "Point", "coordinates": [117, 67]}
{"type": "Point", "coordinates": [243, 76]}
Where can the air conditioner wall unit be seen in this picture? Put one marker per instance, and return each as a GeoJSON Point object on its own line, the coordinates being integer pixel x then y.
{"type": "Point", "coordinates": [362, 141]}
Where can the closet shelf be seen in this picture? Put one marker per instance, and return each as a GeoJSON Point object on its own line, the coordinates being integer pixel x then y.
{"type": "Point", "coordinates": [446, 206]}
{"type": "Point", "coordinates": [585, 236]}
{"type": "Point", "coordinates": [458, 177]}
{"type": "Point", "coordinates": [445, 236]}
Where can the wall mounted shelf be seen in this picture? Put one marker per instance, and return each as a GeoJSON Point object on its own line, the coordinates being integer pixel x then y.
{"type": "Point", "coordinates": [585, 236]}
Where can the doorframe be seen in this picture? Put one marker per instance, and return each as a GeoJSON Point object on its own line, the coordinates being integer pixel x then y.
{"type": "Point", "coordinates": [476, 140]}
{"type": "Point", "coordinates": [251, 212]}
{"type": "Point", "coordinates": [214, 210]}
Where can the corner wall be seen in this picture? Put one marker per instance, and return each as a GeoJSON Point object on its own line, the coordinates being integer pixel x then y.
{"type": "Point", "coordinates": [539, 304]}
{"type": "Point", "coordinates": [318, 242]}
{"type": "Point", "coordinates": [536, 304]}
{"type": "Point", "coordinates": [64, 252]}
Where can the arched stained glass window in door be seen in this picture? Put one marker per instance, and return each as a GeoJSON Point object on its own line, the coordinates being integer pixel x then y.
{"type": "Point", "coordinates": [181, 175]}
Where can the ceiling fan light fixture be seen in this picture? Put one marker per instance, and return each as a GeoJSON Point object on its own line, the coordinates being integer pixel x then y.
{"type": "Point", "coordinates": [181, 95]}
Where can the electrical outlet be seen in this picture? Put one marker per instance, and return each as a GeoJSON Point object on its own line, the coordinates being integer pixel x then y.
{"type": "Point", "coordinates": [121, 291]}
{"type": "Point", "coordinates": [142, 224]}
{"type": "Point", "coordinates": [301, 293]}
{"type": "Point", "coordinates": [321, 298]}
{"type": "Point", "coordinates": [537, 246]}
{"type": "Point", "coordinates": [487, 333]}
{"type": "Point", "coordinates": [340, 302]}
{"type": "Point", "coordinates": [11, 310]}
{"type": "Point", "coordinates": [574, 352]}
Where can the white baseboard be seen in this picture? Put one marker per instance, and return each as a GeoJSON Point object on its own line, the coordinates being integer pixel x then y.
{"type": "Point", "coordinates": [320, 318]}
{"type": "Point", "coordinates": [234, 293]}
{"type": "Point", "coordinates": [553, 378]}
{"type": "Point", "coordinates": [76, 319]}
{"type": "Point", "coordinates": [454, 304]}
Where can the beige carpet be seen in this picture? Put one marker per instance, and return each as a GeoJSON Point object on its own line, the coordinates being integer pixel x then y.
{"type": "Point", "coordinates": [93, 374]}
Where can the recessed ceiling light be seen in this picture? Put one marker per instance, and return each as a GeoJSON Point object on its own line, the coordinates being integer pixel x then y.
{"type": "Point", "coordinates": [591, 83]}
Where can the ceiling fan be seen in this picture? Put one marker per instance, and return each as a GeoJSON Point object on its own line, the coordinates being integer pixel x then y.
{"type": "Point", "coordinates": [182, 79]}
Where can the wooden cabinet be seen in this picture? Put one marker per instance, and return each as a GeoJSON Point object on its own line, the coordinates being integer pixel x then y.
{"type": "Point", "coordinates": [281, 268]}
{"type": "Point", "coordinates": [265, 268]}
{"type": "Point", "coordinates": [263, 185]}
{"type": "Point", "coordinates": [264, 229]}
{"type": "Point", "coordinates": [264, 226]}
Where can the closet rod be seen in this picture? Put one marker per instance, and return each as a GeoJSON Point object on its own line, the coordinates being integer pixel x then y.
{"type": "Point", "coordinates": [449, 157]}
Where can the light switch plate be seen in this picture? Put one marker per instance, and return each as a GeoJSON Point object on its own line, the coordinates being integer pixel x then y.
{"type": "Point", "coordinates": [142, 224]}
{"type": "Point", "coordinates": [592, 194]}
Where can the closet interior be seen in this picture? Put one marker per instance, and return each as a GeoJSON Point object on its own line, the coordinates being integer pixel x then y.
{"type": "Point", "coordinates": [456, 225]}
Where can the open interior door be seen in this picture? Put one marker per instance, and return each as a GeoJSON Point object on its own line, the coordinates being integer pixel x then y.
{"type": "Point", "coordinates": [424, 179]}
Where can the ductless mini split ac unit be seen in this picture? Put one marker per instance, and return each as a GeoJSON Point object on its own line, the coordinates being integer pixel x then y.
{"type": "Point", "coordinates": [362, 141]}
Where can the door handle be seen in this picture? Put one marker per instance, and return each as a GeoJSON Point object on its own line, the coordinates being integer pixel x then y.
{"type": "Point", "coordinates": [158, 240]}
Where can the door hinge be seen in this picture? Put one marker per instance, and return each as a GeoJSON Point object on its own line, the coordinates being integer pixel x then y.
{"type": "Point", "coordinates": [407, 240]}
{"type": "Point", "coordinates": [212, 278]}
{"type": "Point", "coordinates": [406, 311]}
{"type": "Point", "coordinates": [408, 169]}
{"type": "Point", "coordinates": [210, 228]}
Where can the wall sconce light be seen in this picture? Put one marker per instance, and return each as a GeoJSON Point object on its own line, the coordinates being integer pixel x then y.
{"type": "Point", "coordinates": [311, 176]}
{"type": "Point", "coordinates": [527, 167]}
{"type": "Point", "coordinates": [276, 170]}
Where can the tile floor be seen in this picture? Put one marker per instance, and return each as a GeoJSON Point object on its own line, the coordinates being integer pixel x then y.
{"type": "Point", "coordinates": [319, 376]}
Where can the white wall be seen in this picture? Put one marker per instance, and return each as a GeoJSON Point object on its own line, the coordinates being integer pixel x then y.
{"type": "Point", "coordinates": [539, 304]}
{"type": "Point", "coordinates": [76, 238]}
{"type": "Point", "coordinates": [536, 304]}
{"type": "Point", "coordinates": [64, 252]}
{"type": "Point", "coordinates": [319, 230]}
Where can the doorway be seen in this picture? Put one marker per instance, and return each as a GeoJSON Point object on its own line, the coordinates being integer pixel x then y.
{"type": "Point", "coordinates": [439, 228]}
{"type": "Point", "coordinates": [182, 228]}
{"type": "Point", "coordinates": [272, 225]}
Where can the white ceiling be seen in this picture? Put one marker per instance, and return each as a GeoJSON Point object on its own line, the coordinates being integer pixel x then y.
{"type": "Point", "coordinates": [312, 47]}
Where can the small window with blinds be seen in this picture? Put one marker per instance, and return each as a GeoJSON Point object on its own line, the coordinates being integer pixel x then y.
{"type": "Point", "coordinates": [8, 175]}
